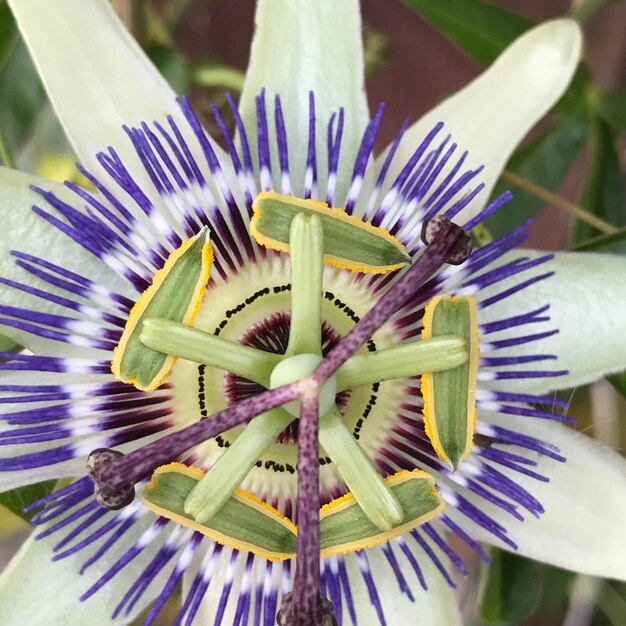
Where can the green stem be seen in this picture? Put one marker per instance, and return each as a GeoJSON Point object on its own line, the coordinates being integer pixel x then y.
{"type": "Point", "coordinates": [306, 251]}
{"type": "Point", "coordinates": [358, 472]}
{"type": "Point", "coordinates": [218, 484]}
{"type": "Point", "coordinates": [202, 347]}
{"type": "Point", "coordinates": [225, 77]}
{"type": "Point", "coordinates": [586, 10]}
{"type": "Point", "coordinates": [409, 359]}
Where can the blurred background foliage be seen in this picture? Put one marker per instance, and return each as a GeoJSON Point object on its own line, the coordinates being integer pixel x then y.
{"type": "Point", "coordinates": [569, 174]}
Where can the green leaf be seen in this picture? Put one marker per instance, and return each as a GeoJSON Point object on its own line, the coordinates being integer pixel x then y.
{"type": "Point", "coordinates": [619, 382]}
{"type": "Point", "coordinates": [611, 105]}
{"type": "Point", "coordinates": [8, 33]}
{"type": "Point", "coordinates": [17, 499]}
{"type": "Point", "coordinates": [545, 162]}
{"type": "Point", "coordinates": [21, 96]}
{"type": "Point", "coordinates": [602, 195]}
{"type": "Point", "coordinates": [480, 29]}
{"type": "Point", "coordinates": [172, 65]}
{"type": "Point", "coordinates": [511, 589]}
{"type": "Point", "coordinates": [483, 30]}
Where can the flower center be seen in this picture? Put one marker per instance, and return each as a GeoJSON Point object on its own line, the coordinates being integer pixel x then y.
{"type": "Point", "coordinates": [299, 367]}
{"type": "Point", "coordinates": [272, 335]}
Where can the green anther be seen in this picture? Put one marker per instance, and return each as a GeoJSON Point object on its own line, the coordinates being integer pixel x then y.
{"type": "Point", "coordinates": [300, 367]}
{"type": "Point", "coordinates": [449, 396]}
{"type": "Point", "coordinates": [344, 526]}
{"type": "Point", "coordinates": [409, 359]}
{"type": "Point", "coordinates": [306, 249]}
{"type": "Point", "coordinates": [349, 242]}
{"type": "Point", "coordinates": [215, 488]}
{"type": "Point", "coordinates": [202, 347]}
{"type": "Point", "coordinates": [175, 294]}
{"type": "Point", "coordinates": [375, 498]}
{"type": "Point", "coordinates": [244, 522]}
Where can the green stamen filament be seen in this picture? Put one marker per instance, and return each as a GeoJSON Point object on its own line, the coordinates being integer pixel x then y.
{"type": "Point", "coordinates": [306, 251]}
{"type": "Point", "coordinates": [410, 359]}
{"type": "Point", "coordinates": [216, 486]}
{"type": "Point", "coordinates": [202, 347]}
{"type": "Point", "coordinates": [376, 499]}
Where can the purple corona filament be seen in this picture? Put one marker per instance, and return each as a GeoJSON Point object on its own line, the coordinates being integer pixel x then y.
{"type": "Point", "coordinates": [67, 406]}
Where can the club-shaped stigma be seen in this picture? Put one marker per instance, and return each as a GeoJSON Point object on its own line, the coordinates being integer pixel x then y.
{"type": "Point", "coordinates": [110, 494]}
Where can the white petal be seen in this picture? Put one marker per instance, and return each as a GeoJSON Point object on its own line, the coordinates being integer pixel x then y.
{"type": "Point", "coordinates": [437, 606]}
{"type": "Point", "coordinates": [301, 46]}
{"type": "Point", "coordinates": [36, 590]}
{"type": "Point", "coordinates": [96, 75]}
{"type": "Point", "coordinates": [26, 232]}
{"type": "Point", "coordinates": [491, 115]}
{"type": "Point", "coordinates": [587, 298]}
{"type": "Point", "coordinates": [582, 528]}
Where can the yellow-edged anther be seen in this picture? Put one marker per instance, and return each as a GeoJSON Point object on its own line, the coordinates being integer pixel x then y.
{"type": "Point", "coordinates": [349, 242]}
{"type": "Point", "coordinates": [450, 395]}
{"type": "Point", "coordinates": [244, 522]}
{"type": "Point", "coordinates": [248, 524]}
{"type": "Point", "coordinates": [175, 294]}
{"type": "Point", "coordinates": [344, 527]}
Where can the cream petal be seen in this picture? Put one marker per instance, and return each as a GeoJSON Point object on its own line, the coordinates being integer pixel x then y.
{"type": "Point", "coordinates": [29, 233]}
{"type": "Point", "coordinates": [437, 606]}
{"type": "Point", "coordinates": [588, 306]}
{"type": "Point", "coordinates": [301, 46]}
{"type": "Point", "coordinates": [36, 590]}
{"type": "Point", "coordinates": [490, 116]}
{"type": "Point", "coordinates": [582, 528]}
{"type": "Point", "coordinates": [96, 76]}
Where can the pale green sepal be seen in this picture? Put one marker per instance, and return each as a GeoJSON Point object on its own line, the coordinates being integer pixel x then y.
{"type": "Point", "coordinates": [587, 306]}
{"type": "Point", "coordinates": [36, 590]}
{"type": "Point", "coordinates": [582, 528]}
{"type": "Point", "coordinates": [175, 294]}
{"type": "Point", "coordinates": [449, 395]}
{"type": "Point", "coordinates": [375, 498]}
{"type": "Point", "coordinates": [97, 78]}
{"type": "Point", "coordinates": [243, 522]}
{"type": "Point", "coordinates": [27, 232]}
{"type": "Point", "coordinates": [348, 241]}
{"type": "Point", "coordinates": [199, 346]}
{"type": "Point", "coordinates": [407, 359]}
{"type": "Point", "coordinates": [229, 471]}
{"type": "Point", "coordinates": [491, 115]}
{"type": "Point", "coordinates": [298, 47]}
